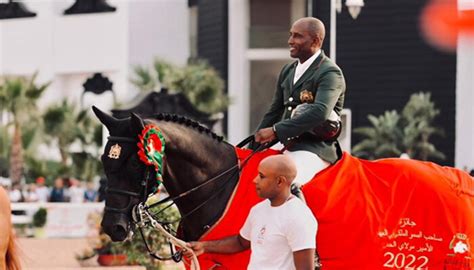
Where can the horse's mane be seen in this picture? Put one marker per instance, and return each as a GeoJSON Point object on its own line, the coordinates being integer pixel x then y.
{"type": "Point", "coordinates": [182, 120]}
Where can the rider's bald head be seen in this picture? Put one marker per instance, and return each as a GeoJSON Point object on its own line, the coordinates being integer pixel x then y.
{"type": "Point", "coordinates": [314, 26]}
{"type": "Point", "coordinates": [280, 165]}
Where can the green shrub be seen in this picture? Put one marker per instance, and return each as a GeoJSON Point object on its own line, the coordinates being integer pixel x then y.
{"type": "Point", "coordinates": [392, 134]}
{"type": "Point", "coordinates": [39, 218]}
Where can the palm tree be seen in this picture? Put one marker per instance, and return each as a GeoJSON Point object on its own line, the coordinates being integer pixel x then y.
{"type": "Point", "coordinates": [198, 81]}
{"type": "Point", "coordinates": [392, 134]}
{"type": "Point", "coordinates": [381, 139]}
{"type": "Point", "coordinates": [417, 119]}
{"type": "Point", "coordinates": [65, 125]}
{"type": "Point", "coordinates": [18, 97]}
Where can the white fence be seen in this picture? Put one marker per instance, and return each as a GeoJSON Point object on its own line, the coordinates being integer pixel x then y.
{"type": "Point", "coordinates": [64, 220]}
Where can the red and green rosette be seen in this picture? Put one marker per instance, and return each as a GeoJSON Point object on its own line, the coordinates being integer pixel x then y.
{"type": "Point", "coordinates": [151, 147]}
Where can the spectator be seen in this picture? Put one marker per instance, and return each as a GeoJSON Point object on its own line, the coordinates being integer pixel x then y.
{"type": "Point", "coordinates": [58, 193]}
{"type": "Point", "coordinates": [42, 191]}
{"type": "Point", "coordinates": [90, 194]}
{"type": "Point", "coordinates": [76, 191]}
{"type": "Point", "coordinates": [16, 195]}
{"type": "Point", "coordinates": [31, 195]}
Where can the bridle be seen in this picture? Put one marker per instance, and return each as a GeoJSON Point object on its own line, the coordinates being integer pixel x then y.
{"type": "Point", "coordinates": [144, 184]}
{"type": "Point", "coordinates": [141, 217]}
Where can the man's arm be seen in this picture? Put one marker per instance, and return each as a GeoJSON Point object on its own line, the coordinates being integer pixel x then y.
{"type": "Point", "coordinates": [329, 90]}
{"type": "Point", "coordinates": [304, 259]}
{"type": "Point", "coordinates": [231, 244]}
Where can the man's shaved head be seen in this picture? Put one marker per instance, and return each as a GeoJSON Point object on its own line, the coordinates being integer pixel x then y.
{"type": "Point", "coordinates": [314, 26]}
{"type": "Point", "coordinates": [280, 165]}
{"type": "Point", "coordinates": [275, 174]}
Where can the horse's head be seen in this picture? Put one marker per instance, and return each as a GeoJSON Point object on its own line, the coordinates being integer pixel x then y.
{"type": "Point", "coordinates": [127, 184]}
{"type": "Point", "coordinates": [199, 170]}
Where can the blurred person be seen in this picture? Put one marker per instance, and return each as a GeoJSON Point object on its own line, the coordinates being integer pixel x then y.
{"type": "Point", "coordinates": [31, 195]}
{"type": "Point", "coordinates": [15, 194]}
{"type": "Point", "coordinates": [41, 190]}
{"type": "Point", "coordinates": [90, 194]}
{"type": "Point", "coordinates": [280, 231]}
{"type": "Point", "coordinates": [76, 191]}
{"type": "Point", "coordinates": [58, 192]}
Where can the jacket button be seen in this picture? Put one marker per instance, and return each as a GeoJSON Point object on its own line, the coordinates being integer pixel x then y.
{"type": "Point", "coordinates": [289, 108]}
{"type": "Point", "coordinates": [290, 99]}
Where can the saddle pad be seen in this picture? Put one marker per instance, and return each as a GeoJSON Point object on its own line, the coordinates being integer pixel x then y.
{"type": "Point", "coordinates": [384, 214]}
{"type": "Point", "coordinates": [393, 214]}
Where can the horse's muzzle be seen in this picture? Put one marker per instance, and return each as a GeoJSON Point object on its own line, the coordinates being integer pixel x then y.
{"type": "Point", "coordinates": [115, 226]}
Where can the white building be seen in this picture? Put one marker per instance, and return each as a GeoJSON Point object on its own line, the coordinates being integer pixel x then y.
{"type": "Point", "coordinates": [69, 49]}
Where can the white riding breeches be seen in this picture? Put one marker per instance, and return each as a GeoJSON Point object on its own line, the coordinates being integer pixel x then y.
{"type": "Point", "coordinates": [307, 164]}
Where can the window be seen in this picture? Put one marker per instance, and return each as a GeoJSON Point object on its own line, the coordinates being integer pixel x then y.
{"type": "Point", "coordinates": [270, 21]}
{"type": "Point", "coordinates": [264, 76]}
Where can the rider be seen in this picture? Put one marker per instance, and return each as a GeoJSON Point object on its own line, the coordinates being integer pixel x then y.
{"type": "Point", "coordinates": [280, 231]}
{"type": "Point", "coordinates": [313, 80]}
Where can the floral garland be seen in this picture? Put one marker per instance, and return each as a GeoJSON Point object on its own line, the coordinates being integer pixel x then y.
{"type": "Point", "coordinates": [151, 147]}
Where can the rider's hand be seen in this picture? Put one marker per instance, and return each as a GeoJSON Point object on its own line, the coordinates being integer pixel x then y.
{"type": "Point", "coordinates": [197, 247]}
{"type": "Point", "coordinates": [265, 135]}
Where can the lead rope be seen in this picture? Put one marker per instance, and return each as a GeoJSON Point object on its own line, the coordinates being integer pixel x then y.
{"type": "Point", "coordinates": [172, 239]}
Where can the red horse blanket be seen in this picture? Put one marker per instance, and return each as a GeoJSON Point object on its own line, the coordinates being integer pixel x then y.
{"type": "Point", "coordinates": [385, 214]}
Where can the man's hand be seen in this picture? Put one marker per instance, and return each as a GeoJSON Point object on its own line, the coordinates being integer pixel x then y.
{"type": "Point", "coordinates": [265, 135]}
{"type": "Point", "coordinates": [197, 247]}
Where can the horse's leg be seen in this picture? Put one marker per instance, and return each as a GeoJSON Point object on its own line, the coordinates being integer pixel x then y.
{"type": "Point", "coordinates": [8, 256]}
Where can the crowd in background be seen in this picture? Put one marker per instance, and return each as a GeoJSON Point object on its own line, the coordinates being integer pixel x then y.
{"type": "Point", "coordinates": [63, 190]}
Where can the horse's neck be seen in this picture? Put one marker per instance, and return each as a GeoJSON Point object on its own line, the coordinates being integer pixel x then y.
{"type": "Point", "coordinates": [193, 158]}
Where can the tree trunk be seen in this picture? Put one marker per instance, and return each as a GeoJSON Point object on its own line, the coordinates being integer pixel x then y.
{"type": "Point", "coordinates": [16, 157]}
{"type": "Point", "coordinates": [63, 153]}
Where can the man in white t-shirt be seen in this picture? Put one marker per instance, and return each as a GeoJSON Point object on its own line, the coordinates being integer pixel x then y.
{"type": "Point", "coordinates": [280, 231]}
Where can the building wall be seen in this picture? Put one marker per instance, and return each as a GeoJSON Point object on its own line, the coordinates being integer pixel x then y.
{"type": "Point", "coordinates": [213, 33]}
{"type": "Point", "coordinates": [158, 29]}
{"type": "Point", "coordinates": [465, 95]}
{"type": "Point", "coordinates": [385, 60]}
{"type": "Point", "coordinates": [67, 50]}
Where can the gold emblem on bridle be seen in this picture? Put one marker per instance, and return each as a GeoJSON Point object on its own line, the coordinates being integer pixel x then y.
{"type": "Point", "coordinates": [306, 96]}
{"type": "Point", "coordinates": [115, 151]}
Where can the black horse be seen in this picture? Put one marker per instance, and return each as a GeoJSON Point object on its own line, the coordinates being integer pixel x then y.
{"type": "Point", "coordinates": [194, 155]}
{"type": "Point", "coordinates": [371, 214]}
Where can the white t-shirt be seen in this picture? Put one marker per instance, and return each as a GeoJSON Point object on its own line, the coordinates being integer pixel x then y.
{"type": "Point", "coordinates": [276, 232]}
{"type": "Point", "coordinates": [76, 194]}
{"type": "Point", "coordinates": [43, 193]}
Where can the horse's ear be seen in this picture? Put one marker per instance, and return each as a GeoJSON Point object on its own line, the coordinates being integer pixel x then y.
{"type": "Point", "coordinates": [137, 124]}
{"type": "Point", "coordinates": [104, 118]}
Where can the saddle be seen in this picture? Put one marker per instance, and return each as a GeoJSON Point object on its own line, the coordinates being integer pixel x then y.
{"type": "Point", "coordinates": [329, 130]}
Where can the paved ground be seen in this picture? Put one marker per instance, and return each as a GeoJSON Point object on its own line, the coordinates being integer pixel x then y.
{"type": "Point", "coordinates": [58, 254]}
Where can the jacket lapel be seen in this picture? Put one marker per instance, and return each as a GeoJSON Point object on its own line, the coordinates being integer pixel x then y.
{"type": "Point", "coordinates": [288, 82]}
{"type": "Point", "coordinates": [309, 72]}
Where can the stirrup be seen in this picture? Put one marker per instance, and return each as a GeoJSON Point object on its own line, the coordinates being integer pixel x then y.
{"type": "Point", "coordinates": [296, 190]}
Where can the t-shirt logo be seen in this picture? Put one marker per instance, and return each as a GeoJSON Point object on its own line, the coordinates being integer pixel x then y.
{"type": "Point", "coordinates": [261, 235]}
